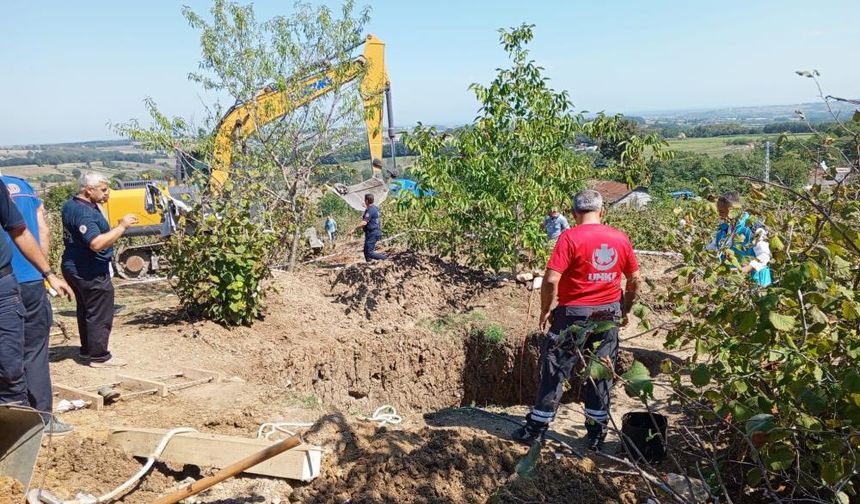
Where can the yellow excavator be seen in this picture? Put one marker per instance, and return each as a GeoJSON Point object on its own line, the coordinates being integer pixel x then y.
{"type": "Point", "coordinates": [240, 121]}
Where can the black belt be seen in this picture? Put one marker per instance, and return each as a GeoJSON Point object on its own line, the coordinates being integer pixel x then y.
{"type": "Point", "coordinates": [6, 271]}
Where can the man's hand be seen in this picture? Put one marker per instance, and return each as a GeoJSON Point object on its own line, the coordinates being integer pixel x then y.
{"type": "Point", "coordinates": [747, 269]}
{"type": "Point", "coordinates": [128, 220]}
{"type": "Point", "coordinates": [61, 286]}
{"type": "Point", "coordinates": [545, 318]}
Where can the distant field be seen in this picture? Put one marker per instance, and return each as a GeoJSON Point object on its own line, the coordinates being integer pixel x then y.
{"type": "Point", "coordinates": [720, 146]}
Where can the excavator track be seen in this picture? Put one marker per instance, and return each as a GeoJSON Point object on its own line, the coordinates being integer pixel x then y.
{"type": "Point", "coordinates": [139, 262]}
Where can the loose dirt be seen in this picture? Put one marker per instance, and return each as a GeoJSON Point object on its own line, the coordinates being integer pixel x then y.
{"type": "Point", "coordinates": [10, 490]}
{"type": "Point", "coordinates": [336, 343]}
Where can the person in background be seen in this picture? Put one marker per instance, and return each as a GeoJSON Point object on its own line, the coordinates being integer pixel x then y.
{"type": "Point", "coordinates": [330, 228]}
{"type": "Point", "coordinates": [554, 224]}
{"type": "Point", "coordinates": [89, 242]}
{"type": "Point", "coordinates": [584, 277]}
{"type": "Point", "coordinates": [38, 315]}
{"type": "Point", "coordinates": [372, 230]}
{"type": "Point", "coordinates": [749, 242]}
{"type": "Point", "coordinates": [13, 382]}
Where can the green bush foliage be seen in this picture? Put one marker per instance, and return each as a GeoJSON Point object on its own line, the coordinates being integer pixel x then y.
{"type": "Point", "coordinates": [218, 263]}
{"type": "Point", "coordinates": [650, 228]}
{"type": "Point", "coordinates": [782, 364]}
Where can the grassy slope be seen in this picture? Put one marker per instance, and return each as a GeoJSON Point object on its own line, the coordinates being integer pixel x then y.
{"type": "Point", "coordinates": [718, 146]}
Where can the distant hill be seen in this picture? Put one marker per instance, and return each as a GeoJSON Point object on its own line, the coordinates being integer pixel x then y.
{"type": "Point", "coordinates": [756, 115]}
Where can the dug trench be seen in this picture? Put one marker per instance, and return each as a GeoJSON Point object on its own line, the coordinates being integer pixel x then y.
{"type": "Point", "coordinates": [416, 332]}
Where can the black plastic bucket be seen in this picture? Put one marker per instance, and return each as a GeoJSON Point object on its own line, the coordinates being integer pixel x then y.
{"type": "Point", "coordinates": [640, 436]}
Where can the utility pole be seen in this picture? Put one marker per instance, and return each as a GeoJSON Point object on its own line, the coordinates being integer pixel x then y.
{"type": "Point", "coordinates": [767, 161]}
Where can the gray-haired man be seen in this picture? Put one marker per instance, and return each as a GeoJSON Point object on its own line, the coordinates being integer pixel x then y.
{"type": "Point", "coordinates": [89, 243]}
{"type": "Point", "coordinates": [584, 274]}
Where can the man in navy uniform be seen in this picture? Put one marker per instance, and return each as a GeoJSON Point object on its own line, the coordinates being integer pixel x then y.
{"type": "Point", "coordinates": [89, 242]}
{"type": "Point", "coordinates": [13, 382]}
{"type": "Point", "coordinates": [372, 230]}
{"type": "Point", "coordinates": [38, 315]}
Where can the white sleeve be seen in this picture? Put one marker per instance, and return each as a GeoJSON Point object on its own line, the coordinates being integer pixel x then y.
{"type": "Point", "coordinates": [762, 255]}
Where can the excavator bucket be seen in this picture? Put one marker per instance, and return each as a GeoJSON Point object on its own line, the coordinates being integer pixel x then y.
{"type": "Point", "coordinates": [354, 194]}
{"type": "Point", "coordinates": [20, 438]}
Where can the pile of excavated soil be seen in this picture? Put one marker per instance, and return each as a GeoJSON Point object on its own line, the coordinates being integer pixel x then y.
{"type": "Point", "coordinates": [90, 466]}
{"type": "Point", "coordinates": [11, 491]}
{"type": "Point", "coordinates": [449, 466]}
{"type": "Point", "coordinates": [408, 285]}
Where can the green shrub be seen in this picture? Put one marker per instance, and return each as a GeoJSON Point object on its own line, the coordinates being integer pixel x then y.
{"type": "Point", "coordinates": [219, 261]}
{"type": "Point", "coordinates": [651, 228]}
{"type": "Point", "coordinates": [494, 334]}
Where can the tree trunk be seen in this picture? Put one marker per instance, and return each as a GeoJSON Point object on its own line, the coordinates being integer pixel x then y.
{"type": "Point", "coordinates": [297, 235]}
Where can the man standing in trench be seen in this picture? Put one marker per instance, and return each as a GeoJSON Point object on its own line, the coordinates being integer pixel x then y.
{"type": "Point", "coordinates": [584, 274]}
{"type": "Point", "coordinates": [372, 230]}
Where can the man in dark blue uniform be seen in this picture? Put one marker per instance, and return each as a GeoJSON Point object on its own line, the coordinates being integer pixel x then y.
{"type": "Point", "coordinates": [89, 243]}
{"type": "Point", "coordinates": [13, 383]}
{"type": "Point", "coordinates": [38, 315]}
{"type": "Point", "coordinates": [372, 230]}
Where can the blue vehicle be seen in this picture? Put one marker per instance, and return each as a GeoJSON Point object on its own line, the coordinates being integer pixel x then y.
{"type": "Point", "coordinates": [682, 194]}
{"type": "Point", "coordinates": [403, 184]}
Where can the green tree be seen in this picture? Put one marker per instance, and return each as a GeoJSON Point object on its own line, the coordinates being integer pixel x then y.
{"type": "Point", "coordinates": [276, 170]}
{"type": "Point", "coordinates": [494, 179]}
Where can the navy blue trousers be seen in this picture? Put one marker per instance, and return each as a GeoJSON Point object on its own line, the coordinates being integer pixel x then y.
{"type": "Point", "coordinates": [37, 328]}
{"type": "Point", "coordinates": [559, 360]}
{"type": "Point", "coordinates": [370, 253]}
{"type": "Point", "coordinates": [13, 385]}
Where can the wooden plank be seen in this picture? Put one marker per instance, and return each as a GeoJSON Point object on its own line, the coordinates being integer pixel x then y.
{"type": "Point", "coordinates": [135, 383]}
{"type": "Point", "coordinates": [198, 374]}
{"type": "Point", "coordinates": [71, 393]}
{"type": "Point", "coordinates": [214, 450]}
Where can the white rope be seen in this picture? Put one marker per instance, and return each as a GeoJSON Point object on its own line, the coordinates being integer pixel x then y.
{"type": "Point", "coordinates": [268, 429]}
{"type": "Point", "coordinates": [385, 414]}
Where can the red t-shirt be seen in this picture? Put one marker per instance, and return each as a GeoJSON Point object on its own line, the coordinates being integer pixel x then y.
{"type": "Point", "coordinates": [591, 259]}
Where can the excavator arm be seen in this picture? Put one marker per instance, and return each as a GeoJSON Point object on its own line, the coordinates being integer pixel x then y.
{"type": "Point", "coordinates": [271, 104]}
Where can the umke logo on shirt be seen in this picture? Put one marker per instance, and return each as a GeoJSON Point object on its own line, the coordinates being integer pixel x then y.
{"type": "Point", "coordinates": [602, 259]}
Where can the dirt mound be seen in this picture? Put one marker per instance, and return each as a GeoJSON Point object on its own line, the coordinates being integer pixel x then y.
{"type": "Point", "coordinates": [561, 481]}
{"type": "Point", "coordinates": [87, 465]}
{"type": "Point", "coordinates": [11, 490]}
{"type": "Point", "coordinates": [408, 284]}
{"type": "Point", "coordinates": [450, 466]}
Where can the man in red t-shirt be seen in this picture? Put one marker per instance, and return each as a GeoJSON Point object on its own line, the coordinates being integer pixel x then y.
{"type": "Point", "coordinates": [584, 275]}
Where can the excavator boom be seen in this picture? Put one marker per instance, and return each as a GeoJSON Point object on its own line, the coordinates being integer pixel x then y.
{"type": "Point", "coordinates": [271, 104]}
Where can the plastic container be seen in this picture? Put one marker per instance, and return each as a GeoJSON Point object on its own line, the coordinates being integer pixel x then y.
{"type": "Point", "coordinates": [640, 436]}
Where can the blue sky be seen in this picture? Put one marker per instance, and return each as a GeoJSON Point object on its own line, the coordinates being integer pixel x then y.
{"type": "Point", "coordinates": [69, 68]}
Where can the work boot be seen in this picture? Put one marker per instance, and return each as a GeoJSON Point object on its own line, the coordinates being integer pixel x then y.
{"type": "Point", "coordinates": [530, 432]}
{"type": "Point", "coordinates": [595, 434]}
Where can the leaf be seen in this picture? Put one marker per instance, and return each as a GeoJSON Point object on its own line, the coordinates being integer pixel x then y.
{"type": "Point", "coordinates": [781, 322]}
{"type": "Point", "coordinates": [700, 376]}
{"type": "Point", "coordinates": [753, 477]}
{"type": "Point", "coordinates": [526, 466]}
{"type": "Point", "coordinates": [763, 422]}
{"type": "Point", "coordinates": [832, 472]}
{"type": "Point", "coordinates": [780, 457]}
{"type": "Point", "coordinates": [747, 320]}
{"type": "Point", "coordinates": [842, 498]}
{"type": "Point", "coordinates": [638, 380]}
{"type": "Point", "coordinates": [597, 371]}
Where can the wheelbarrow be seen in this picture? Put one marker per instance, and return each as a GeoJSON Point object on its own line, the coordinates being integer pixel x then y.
{"type": "Point", "coordinates": [21, 430]}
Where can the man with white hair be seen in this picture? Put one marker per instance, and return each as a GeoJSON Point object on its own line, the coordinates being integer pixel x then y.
{"type": "Point", "coordinates": [584, 275]}
{"type": "Point", "coordinates": [89, 242]}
